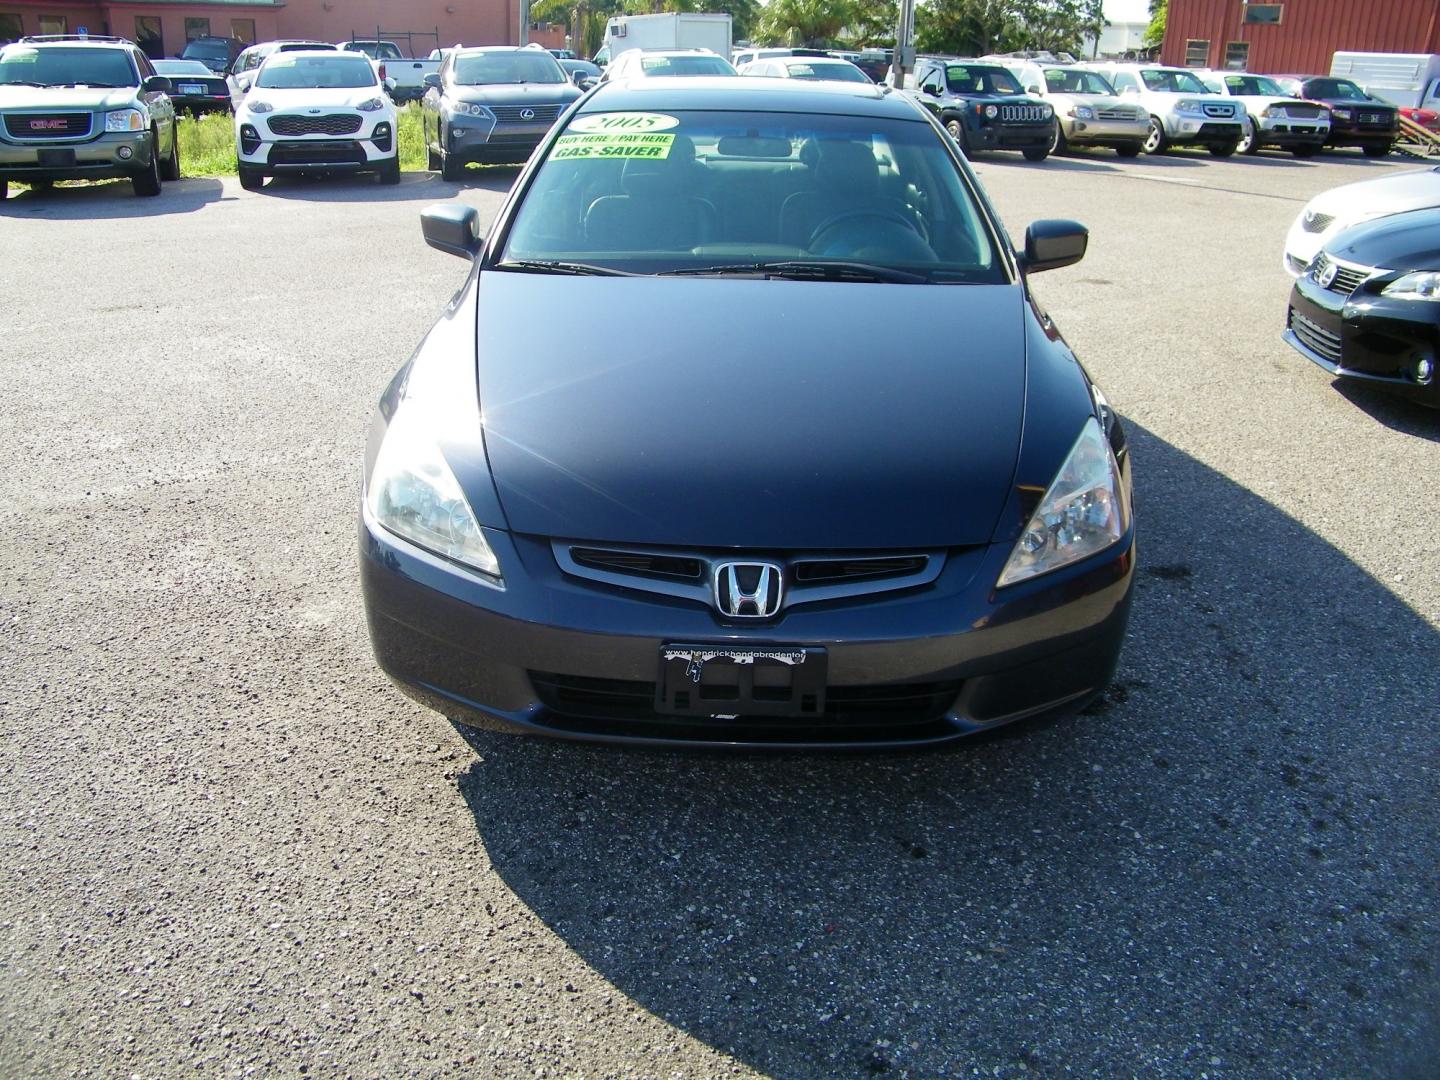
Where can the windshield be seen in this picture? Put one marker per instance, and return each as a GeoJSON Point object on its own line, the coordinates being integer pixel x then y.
{"type": "Point", "coordinates": [181, 67]}
{"type": "Point", "coordinates": [1173, 82]}
{"type": "Point", "coordinates": [1342, 89]}
{"type": "Point", "coordinates": [1076, 81]}
{"type": "Point", "coordinates": [685, 191]}
{"type": "Point", "coordinates": [980, 80]}
{"type": "Point", "coordinates": [666, 66]}
{"type": "Point", "coordinates": [22, 65]}
{"type": "Point", "coordinates": [216, 50]}
{"type": "Point", "coordinates": [1253, 86]}
{"type": "Point", "coordinates": [518, 66]}
{"type": "Point", "coordinates": [288, 71]}
{"type": "Point", "coordinates": [843, 72]}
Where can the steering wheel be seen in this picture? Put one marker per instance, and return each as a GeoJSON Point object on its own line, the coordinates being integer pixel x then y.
{"type": "Point", "coordinates": [892, 217]}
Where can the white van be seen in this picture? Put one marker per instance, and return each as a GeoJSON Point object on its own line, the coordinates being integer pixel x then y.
{"type": "Point", "coordinates": [1410, 80]}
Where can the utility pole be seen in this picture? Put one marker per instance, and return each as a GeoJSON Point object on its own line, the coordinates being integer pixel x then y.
{"type": "Point", "coordinates": [903, 59]}
{"type": "Point", "coordinates": [524, 23]}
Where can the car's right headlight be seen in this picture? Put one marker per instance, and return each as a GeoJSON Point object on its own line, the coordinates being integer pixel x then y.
{"type": "Point", "coordinates": [1083, 513]}
{"type": "Point", "coordinates": [259, 106]}
{"type": "Point", "coordinates": [466, 108]}
{"type": "Point", "coordinates": [1190, 108]}
{"type": "Point", "coordinates": [1082, 112]}
{"type": "Point", "coordinates": [125, 120]}
{"type": "Point", "coordinates": [414, 494]}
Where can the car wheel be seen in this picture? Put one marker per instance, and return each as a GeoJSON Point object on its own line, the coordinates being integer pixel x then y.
{"type": "Point", "coordinates": [251, 179]}
{"type": "Point", "coordinates": [1129, 150]}
{"type": "Point", "coordinates": [42, 185]}
{"type": "Point", "coordinates": [1058, 143]}
{"type": "Point", "coordinates": [451, 169]}
{"type": "Point", "coordinates": [432, 158]}
{"type": "Point", "coordinates": [1249, 142]}
{"type": "Point", "coordinates": [1222, 150]}
{"type": "Point", "coordinates": [1377, 150]}
{"type": "Point", "coordinates": [390, 171]}
{"type": "Point", "coordinates": [1155, 141]}
{"type": "Point", "coordinates": [172, 163]}
{"type": "Point", "coordinates": [1305, 150]}
{"type": "Point", "coordinates": [4, 190]}
{"type": "Point", "coordinates": [1036, 153]}
{"type": "Point", "coordinates": [147, 180]}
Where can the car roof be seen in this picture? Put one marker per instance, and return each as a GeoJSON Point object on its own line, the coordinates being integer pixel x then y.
{"type": "Point", "coordinates": [751, 95]}
{"type": "Point", "coordinates": [466, 50]}
{"type": "Point", "coordinates": [77, 43]}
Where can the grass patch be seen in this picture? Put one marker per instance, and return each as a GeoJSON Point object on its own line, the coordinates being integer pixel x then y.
{"type": "Point", "coordinates": [207, 143]}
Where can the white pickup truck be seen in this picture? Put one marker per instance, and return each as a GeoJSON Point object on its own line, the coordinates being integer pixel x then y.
{"type": "Point", "coordinates": [408, 73]}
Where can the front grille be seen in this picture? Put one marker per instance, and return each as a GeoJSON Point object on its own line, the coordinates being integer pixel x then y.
{"type": "Point", "coordinates": [818, 570]}
{"type": "Point", "coordinates": [1315, 337]}
{"type": "Point", "coordinates": [1027, 114]}
{"type": "Point", "coordinates": [331, 124]}
{"type": "Point", "coordinates": [511, 114]}
{"type": "Point", "coordinates": [1220, 111]}
{"type": "Point", "coordinates": [1304, 112]}
{"type": "Point", "coordinates": [1117, 114]}
{"type": "Point", "coordinates": [1316, 223]}
{"type": "Point", "coordinates": [48, 125]}
{"type": "Point", "coordinates": [509, 138]}
{"type": "Point", "coordinates": [1347, 278]}
{"type": "Point", "coordinates": [316, 153]}
{"type": "Point", "coordinates": [1379, 119]}
{"type": "Point", "coordinates": [642, 563]}
{"type": "Point", "coordinates": [886, 712]}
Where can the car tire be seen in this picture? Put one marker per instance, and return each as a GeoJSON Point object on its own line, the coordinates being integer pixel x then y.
{"type": "Point", "coordinates": [451, 169]}
{"type": "Point", "coordinates": [4, 190]}
{"type": "Point", "coordinates": [1156, 142]}
{"type": "Point", "coordinates": [1249, 142]}
{"type": "Point", "coordinates": [390, 171]}
{"type": "Point", "coordinates": [146, 181]}
{"type": "Point", "coordinates": [1129, 150]}
{"type": "Point", "coordinates": [42, 185]}
{"type": "Point", "coordinates": [1036, 153]}
{"type": "Point", "coordinates": [1058, 143]}
{"type": "Point", "coordinates": [251, 179]}
{"type": "Point", "coordinates": [1222, 150]}
{"type": "Point", "coordinates": [171, 171]}
{"type": "Point", "coordinates": [957, 132]}
{"type": "Point", "coordinates": [1377, 150]}
{"type": "Point", "coordinates": [1306, 151]}
{"type": "Point", "coordinates": [432, 158]}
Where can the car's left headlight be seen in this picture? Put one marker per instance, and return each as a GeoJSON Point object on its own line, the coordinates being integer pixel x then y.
{"type": "Point", "coordinates": [1424, 285]}
{"type": "Point", "coordinates": [414, 494]}
{"type": "Point", "coordinates": [125, 120]}
{"type": "Point", "coordinates": [1083, 513]}
{"type": "Point", "coordinates": [373, 104]}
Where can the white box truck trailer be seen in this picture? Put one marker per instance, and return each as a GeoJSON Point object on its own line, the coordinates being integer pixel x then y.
{"type": "Point", "coordinates": [1410, 80]}
{"type": "Point", "coordinates": [667, 31]}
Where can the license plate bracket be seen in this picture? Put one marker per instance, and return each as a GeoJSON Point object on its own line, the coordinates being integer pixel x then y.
{"type": "Point", "coordinates": [730, 681]}
{"type": "Point", "coordinates": [57, 158]}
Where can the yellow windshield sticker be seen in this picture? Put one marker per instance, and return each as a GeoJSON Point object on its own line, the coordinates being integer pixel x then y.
{"type": "Point", "coordinates": [613, 146]}
{"type": "Point", "coordinates": [623, 122]}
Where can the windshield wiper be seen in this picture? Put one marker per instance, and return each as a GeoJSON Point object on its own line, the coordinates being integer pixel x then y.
{"type": "Point", "coordinates": [805, 270]}
{"type": "Point", "coordinates": [552, 266]}
{"type": "Point", "coordinates": [94, 85]}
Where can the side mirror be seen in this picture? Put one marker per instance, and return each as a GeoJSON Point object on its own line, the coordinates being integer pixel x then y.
{"type": "Point", "coordinates": [1033, 89]}
{"type": "Point", "coordinates": [931, 89]}
{"type": "Point", "coordinates": [578, 78]}
{"type": "Point", "coordinates": [1052, 244]}
{"type": "Point", "coordinates": [157, 84]}
{"type": "Point", "coordinates": [453, 228]}
{"type": "Point", "coordinates": [242, 83]}
{"type": "Point", "coordinates": [432, 80]}
{"type": "Point", "coordinates": [389, 85]}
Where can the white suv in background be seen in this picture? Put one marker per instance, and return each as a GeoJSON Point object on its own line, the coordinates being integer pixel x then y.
{"type": "Point", "coordinates": [1088, 112]}
{"type": "Point", "coordinates": [316, 112]}
{"type": "Point", "coordinates": [1275, 118]}
{"type": "Point", "coordinates": [1183, 110]}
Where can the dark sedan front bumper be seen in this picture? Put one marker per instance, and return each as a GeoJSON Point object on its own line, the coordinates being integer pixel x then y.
{"type": "Point", "coordinates": [555, 655]}
{"type": "Point", "coordinates": [1365, 336]}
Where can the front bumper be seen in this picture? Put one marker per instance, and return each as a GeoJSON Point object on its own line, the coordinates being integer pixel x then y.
{"type": "Point", "coordinates": [482, 140]}
{"type": "Point", "coordinates": [1184, 130]}
{"type": "Point", "coordinates": [555, 655]}
{"type": "Point", "coordinates": [999, 136]}
{"type": "Point", "coordinates": [1350, 133]}
{"type": "Point", "coordinates": [366, 149]}
{"type": "Point", "coordinates": [1104, 132]}
{"type": "Point", "coordinates": [1288, 133]}
{"type": "Point", "coordinates": [96, 158]}
{"type": "Point", "coordinates": [1366, 337]}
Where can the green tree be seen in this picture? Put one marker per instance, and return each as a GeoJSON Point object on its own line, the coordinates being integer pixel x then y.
{"type": "Point", "coordinates": [873, 24]}
{"type": "Point", "coordinates": [964, 27]}
{"type": "Point", "coordinates": [1155, 32]}
{"type": "Point", "coordinates": [813, 23]}
{"type": "Point", "coordinates": [1057, 25]}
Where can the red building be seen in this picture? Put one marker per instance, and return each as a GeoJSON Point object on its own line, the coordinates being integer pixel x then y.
{"type": "Point", "coordinates": [1294, 36]}
{"type": "Point", "coordinates": [163, 26]}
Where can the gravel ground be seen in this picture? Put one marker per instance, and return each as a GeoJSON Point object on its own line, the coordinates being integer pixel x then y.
{"type": "Point", "coordinates": [228, 846]}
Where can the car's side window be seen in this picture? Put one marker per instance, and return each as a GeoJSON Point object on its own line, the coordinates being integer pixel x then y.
{"type": "Point", "coordinates": [1124, 80]}
{"type": "Point", "coordinates": [144, 65]}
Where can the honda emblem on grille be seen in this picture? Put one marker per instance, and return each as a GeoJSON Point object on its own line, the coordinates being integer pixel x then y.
{"type": "Point", "coordinates": [1326, 274]}
{"type": "Point", "coordinates": [747, 590]}
{"type": "Point", "coordinates": [527, 114]}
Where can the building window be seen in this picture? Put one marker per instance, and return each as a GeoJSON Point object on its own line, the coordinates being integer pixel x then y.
{"type": "Point", "coordinates": [244, 29]}
{"type": "Point", "coordinates": [1197, 53]}
{"type": "Point", "coordinates": [54, 24]}
{"type": "Point", "coordinates": [1237, 55]}
{"type": "Point", "coordinates": [1267, 14]}
{"type": "Point", "coordinates": [196, 28]}
{"type": "Point", "coordinates": [150, 36]}
{"type": "Point", "coordinates": [11, 29]}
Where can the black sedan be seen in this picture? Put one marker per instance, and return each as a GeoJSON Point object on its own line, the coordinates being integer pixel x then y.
{"type": "Point", "coordinates": [1368, 307]}
{"type": "Point", "coordinates": [195, 89]}
{"type": "Point", "coordinates": [589, 513]}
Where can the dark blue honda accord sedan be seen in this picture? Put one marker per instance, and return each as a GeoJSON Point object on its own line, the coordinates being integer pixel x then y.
{"type": "Point", "coordinates": [746, 430]}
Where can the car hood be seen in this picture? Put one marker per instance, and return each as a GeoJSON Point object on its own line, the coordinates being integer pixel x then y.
{"type": "Point", "coordinates": [1409, 241]}
{"type": "Point", "coordinates": [1413, 189]}
{"type": "Point", "coordinates": [321, 98]}
{"type": "Point", "coordinates": [515, 93]}
{"type": "Point", "coordinates": [60, 99]}
{"type": "Point", "coordinates": [641, 410]}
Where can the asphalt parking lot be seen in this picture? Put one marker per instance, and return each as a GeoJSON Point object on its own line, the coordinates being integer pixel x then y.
{"type": "Point", "coordinates": [231, 848]}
